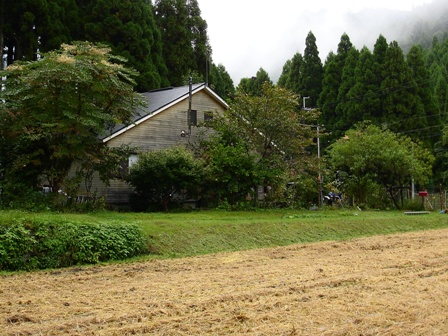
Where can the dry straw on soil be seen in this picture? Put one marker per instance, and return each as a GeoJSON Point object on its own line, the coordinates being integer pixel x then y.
{"type": "Point", "coordinates": [385, 285]}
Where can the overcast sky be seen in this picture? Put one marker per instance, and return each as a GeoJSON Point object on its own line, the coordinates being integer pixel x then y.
{"type": "Point", "coordinates": [247, 35]}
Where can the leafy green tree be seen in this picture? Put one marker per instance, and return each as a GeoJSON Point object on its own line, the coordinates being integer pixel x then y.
{"type": "Point", "coordinates": [311, 71]}
{"type": "Point", "coordinates": [274, 130]}
{"type": "Point", "coordinates": [130, 28]}
{"type": "Point", "coordinates": [231, 169]}
{"type": "Point", "coordinates": [253, 86]}
{"type": "Point", "coordinates": [54, 111]}
{"type": "Point", "coordinates": [368, 154]}
{"type": "Point", "coordinates": [161, 176]}
{"type": "Point", "coordinates": [260, 141]}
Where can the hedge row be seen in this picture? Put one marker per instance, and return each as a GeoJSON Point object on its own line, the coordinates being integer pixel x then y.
{"type": "Point", "coordinates": [28, 244]}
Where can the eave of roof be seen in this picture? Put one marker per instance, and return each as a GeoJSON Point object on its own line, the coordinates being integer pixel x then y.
{"type": "Point", "coordinates": [160, 100]}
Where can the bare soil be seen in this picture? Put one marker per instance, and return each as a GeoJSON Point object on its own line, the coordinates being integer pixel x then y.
{"type": "Point", "coordinates": [384, 285]}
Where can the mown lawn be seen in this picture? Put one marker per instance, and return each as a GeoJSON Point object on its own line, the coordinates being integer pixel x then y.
{"type": "Point", "coordinates": [203, 232]}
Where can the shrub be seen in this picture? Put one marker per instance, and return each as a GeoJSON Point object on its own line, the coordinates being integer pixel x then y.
{"type": "Point", "coordinates": [163, 177]}
{"type": "Point", "coordinates": [26, 245]}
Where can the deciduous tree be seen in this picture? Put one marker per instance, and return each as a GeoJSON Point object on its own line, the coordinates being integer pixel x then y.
{"type": "Point", "coordinates": [54, 111]}
{"type": "Point", "coordinates": [368, 153]}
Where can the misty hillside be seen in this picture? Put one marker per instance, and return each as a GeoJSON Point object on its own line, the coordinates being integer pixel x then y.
{"type": "Point", "coordinates": [408, 28]}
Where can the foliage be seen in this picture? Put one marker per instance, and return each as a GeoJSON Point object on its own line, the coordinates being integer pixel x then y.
{"type": "Point", "coordinates": [261, 141]}
{"type": "Point", "coordinates": [160, 177]}
{"type": "Point", "coordinates": [20, 25]}
{"type": "Point", "coordinates": [311, 73]}
{"type": "Point", "coordinates": [291, 74]}
{"type": "Point", "coordinates": [55, 110]}
{"type": "Point", "coordinates": [184, 38]}
{"type": "Point", "coordinates": [34, 244]}
{"type": "Point", "coordinates": [200, 232]}
{"type": "Point", "coordinates": [253, 86]}
{"type": "Point", "coordinates": [231, 169]}
{"type": "Point", "coordinates": [368, 154]}
{"type": "Point", "coordinates": [221, 82]}
{"type": "Point", "coordinates": [180, 234]}
{"type": "Point", "coordinates": [130, 28]}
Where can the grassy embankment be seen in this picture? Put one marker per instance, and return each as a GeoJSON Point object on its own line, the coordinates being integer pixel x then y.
{"type": "Point", "coordinates": [196, 233]}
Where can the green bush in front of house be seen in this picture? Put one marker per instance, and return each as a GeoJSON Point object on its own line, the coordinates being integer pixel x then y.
{"type": "Point", "coordinates": [33, 244]}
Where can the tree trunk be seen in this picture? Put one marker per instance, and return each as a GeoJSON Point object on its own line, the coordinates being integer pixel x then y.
{"type": "Point", "coordinates": [2, 38]}
{"type": "Point", "coordinates": [391, 192]}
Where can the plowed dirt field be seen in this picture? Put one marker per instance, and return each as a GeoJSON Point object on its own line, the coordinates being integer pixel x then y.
{"type": "Point", "coordinates": [383, 285]}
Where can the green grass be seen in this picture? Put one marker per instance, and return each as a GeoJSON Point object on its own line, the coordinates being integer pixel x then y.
{"type": "Point", "coordinates": [195, 233]}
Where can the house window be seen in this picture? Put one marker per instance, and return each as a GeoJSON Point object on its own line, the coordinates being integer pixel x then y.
{"type": "Point", "coordinates": [133, 160]}
{"type": "Point", "coordinates": [193, 117]}
{"type": "Point", "coordinates": [208, 116]}
{"type": "Point", "coordinates": [123, 168]}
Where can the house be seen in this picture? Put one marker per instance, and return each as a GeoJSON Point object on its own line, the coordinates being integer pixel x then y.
{"type": "Point", "coordinates": [164, 122]}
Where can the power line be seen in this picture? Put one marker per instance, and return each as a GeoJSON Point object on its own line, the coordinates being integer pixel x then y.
{"type": "Point", "coordinates": [379, 92]}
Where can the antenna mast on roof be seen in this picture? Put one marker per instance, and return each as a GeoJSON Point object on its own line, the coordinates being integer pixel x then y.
{"type": "Point", "coordinates": [190, 84]}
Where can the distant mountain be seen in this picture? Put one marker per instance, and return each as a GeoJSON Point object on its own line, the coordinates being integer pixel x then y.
{"type": "Point", "coordinates": [418, 26]}
{"type": "Point", "coordinates": [425, 23]}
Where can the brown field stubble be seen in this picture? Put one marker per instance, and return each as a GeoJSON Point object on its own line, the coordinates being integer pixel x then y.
{"type": "Point", "coordinates": [383, 285]}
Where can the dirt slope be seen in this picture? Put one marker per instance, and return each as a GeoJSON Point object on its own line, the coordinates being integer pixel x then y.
{"type": "Point", "coordinates": [389, 285]}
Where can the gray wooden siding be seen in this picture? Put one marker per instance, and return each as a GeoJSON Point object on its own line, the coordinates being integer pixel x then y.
{"type": "Point", "coordinates": [161, 131]}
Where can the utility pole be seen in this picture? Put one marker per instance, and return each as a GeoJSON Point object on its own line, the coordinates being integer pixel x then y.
{"type": "Point", "coordinates": [190, 85]}
{"type": "Point", "coordinates": [319, 175]}
{"type": "Point", "coordinates": [304, 99]}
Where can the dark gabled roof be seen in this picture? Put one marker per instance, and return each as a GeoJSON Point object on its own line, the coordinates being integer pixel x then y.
{"type": "Point", "coordinates": [159, 100]}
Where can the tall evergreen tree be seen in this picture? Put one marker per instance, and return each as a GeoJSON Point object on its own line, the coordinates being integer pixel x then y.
{"type": "Point", "coordinates": [312, 71]}
{"type": "Point", "coordinates": [2, 31]}
{"type": "Point", "coordinates": [282, 80]}
{"type": "Point", "coordinates": [184, 36]}
{"type": "Point", "coordinates": [441, 93]}
{"type": "Point", "coordinates": [129, 27]}
{"type": "Point", "coordinates": [221, 82]}
{"type": "Point", "coordinates": [344, 119]}
{"type": "Point", "coordinates": [291, 74]}
{"type": "Point", "coordinates": [332, 79]}
{"type": "Point", "coordinates": [379, 55]}
{"type": "Point", "coordinates": [22, 23]}
{"type": "Point", "coordinates": [253, 86]}
{"type": "Point", "coordinates": [329, 96]}
{"type": "Point", "coordinates": [421, 76]}
{"type": "Point", "coordinates": [363, 95]}
{"type": "Point", "coordinates": [293, 82]}
{"type": "Point", "coordinates": [199, 38]}
{"type": "Point", "coordinates": [403, 110]}
{"type": "Point", "coordinates": [62, 25]}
